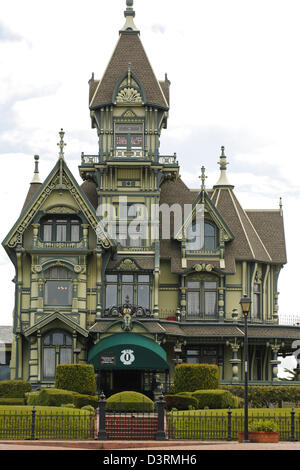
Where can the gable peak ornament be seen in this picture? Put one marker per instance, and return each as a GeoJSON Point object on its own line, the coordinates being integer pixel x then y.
{"type": "Point", "coordinates": [61, 144]}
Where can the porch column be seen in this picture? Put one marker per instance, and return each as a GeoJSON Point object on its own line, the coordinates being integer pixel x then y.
{"type": "Point", "coordinates": [99, 283]}
{"type": "Point", "coordinates": [274, 362]}
{"type": "Point", "coordinates": [235, 362]}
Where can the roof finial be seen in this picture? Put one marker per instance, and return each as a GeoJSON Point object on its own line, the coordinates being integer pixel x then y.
{"type": "Point", "coordinates": [280, 205]}
{"type": "Point", "coordinates": [129, 14]}
{"type": "Point", "coordinates": [61, 144]}
{"type": "Point", "coordinates": [203, 178]}
{"type": "Point", "coordinates": [36, 177]}
{"type": "Point", "coordinates": [223, 181]}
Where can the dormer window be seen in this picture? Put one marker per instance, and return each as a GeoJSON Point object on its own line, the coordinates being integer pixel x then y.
{"type": "Point", "coordinates": [61, 229]}
{"type": "Point", "coordinates": [196, 242]}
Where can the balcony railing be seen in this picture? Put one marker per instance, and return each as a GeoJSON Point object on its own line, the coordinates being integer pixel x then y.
{"type": "Point", "coordinates": [168, 159]}
{"type": "Point", "coordinates": [89, 159]}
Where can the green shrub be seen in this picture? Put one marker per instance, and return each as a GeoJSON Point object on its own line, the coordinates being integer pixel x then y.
{"type": "Point", "coordinates": [68, 405]}
{"type": "Point", "coordinates": [180, 402]}
{"type": "Point", "coordinates": [129, 401]}
{"type": "Point", "coordinates": [14, 388]}
{"type": "Point", "coordinates": [58, 397]}
{"type": "Point", "coordinates": [78, 378]}
{"type": "Point", "coordinates": [263, 425]}
{"type": "Point", "coordinates": [260, 396]}
{"type": "Point", "coordinates": [191, 377]}
{"type": "Point", "coordinates": [215, 399]}
{"type": "Point", "coordinates": [12, 401]}
{"type": "Point", "coordinates": [85, 400]}
{"type": "Point", "coordinates": [32, 398]}
{"type": "Point", "coordinates": [88, 408]}
{"type": "Point", "coordinates": [55, 397]}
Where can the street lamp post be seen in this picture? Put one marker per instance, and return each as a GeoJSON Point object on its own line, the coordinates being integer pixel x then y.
{"type": "Point", "coordinates": [245, 303]}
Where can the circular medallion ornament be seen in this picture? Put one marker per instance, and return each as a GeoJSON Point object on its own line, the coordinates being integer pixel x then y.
{"type": "Point", "coordinates": [127, 357]}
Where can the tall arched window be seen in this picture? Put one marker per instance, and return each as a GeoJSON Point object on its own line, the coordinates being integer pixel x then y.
{"type": "Point", "coordinates": [199, 241]}
{"type": "Point", "coordinates": [60, 229]}
{"type": "Point", "coordinates": [57, 349]}
{"type": "Point", "coordinates": [58, 287]}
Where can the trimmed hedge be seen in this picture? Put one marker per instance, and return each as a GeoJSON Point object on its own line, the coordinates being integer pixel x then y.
{"type": "Point", "coordinates": [192, 377]}
{"type": "Point", "coordinates": [129, 401]}
{"type": "Point", "coordinates": [32, 398]}
{"type": "Point", "coordinates": [261, 396]}
{"type": "Point", "coordinates": [85, 400]}
{"type": "Point", "coordinates": [58, 397]}
{"type": "Point", "coordinates": [181, 401]}
{"type": "Point", "coordinates": [215, 399]}
{"type": "Point", "coordinates": [14, 388]}
{"type": "Point", "coordinates": [12, 401]}
{"type": "Point", "coordinates": [55, 397]}
{"type": "Point", "coordinates": [78, 378]}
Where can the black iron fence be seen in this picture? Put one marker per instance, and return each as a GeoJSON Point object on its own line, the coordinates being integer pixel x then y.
{"type": "Point", "coordinates": [32, 425]}
{"type": "Point", "coordinates": [220, 426]}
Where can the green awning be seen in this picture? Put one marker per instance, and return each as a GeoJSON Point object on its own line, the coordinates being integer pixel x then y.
{"type": "Point", "coordinates": [128, 351]}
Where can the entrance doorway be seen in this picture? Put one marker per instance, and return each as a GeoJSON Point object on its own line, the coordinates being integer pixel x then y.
{"type": "Point", "coordinates": [127, 380]}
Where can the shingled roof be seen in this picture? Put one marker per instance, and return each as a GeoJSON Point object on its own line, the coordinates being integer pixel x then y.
{"type": "Point", "coordinates": [258, 234]}
{"type": "Point", "coordinates": [129, 49]}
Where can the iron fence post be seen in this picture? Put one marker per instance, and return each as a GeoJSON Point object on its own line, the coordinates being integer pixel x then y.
{"type": "Point", "coordinates": [293, 425]}
{"type": "Point", "coordinates": [102, 436]}
{"type": "Point", "coordinates": [32, 437]}
{"type": "Point", "coordinates": [229, 437]}
{"type": "Point", "coordinates": [161, 435]}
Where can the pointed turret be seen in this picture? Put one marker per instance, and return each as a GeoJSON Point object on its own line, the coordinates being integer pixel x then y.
{"type": "Point", "coordinates": [129, 50]}
{"type": "Point", "coordinates": [35, 183]}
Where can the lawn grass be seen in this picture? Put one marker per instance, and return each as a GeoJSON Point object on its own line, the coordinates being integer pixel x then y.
{"type": "Point", "coordinates": [16, 422]}
{"type": "Point", "coordinates": [238, 412]}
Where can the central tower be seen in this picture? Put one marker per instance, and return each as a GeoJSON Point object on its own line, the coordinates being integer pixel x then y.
{"type": "Point", "coordinates": [129, 108]}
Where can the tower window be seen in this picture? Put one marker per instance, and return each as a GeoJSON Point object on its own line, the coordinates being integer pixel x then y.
{"type": "Point", "coordinates": [129, 137]}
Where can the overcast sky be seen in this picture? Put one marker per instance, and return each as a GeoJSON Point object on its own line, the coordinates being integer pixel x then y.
{"type": "Point", "coordinates": [234, 70]}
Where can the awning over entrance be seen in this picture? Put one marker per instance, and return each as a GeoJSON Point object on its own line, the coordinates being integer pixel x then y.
{"type": "Point", "coordinates": [128, 351]}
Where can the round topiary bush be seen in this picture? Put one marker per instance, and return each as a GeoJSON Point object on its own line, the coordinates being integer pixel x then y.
{"type": "Point", "coordinates": [215, 399]}
{"type": "Point", "coordinates": [181, 401]}
{"type": "Point", "coordinates": [129, 401]}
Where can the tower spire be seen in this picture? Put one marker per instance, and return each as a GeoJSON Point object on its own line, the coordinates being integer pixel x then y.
{"type": "Point", "coordinates": [129, 14]}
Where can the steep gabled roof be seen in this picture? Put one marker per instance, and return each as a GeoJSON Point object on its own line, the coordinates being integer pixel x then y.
{"type": "Point", "coordinates": [270, 227]}
{"type": "Point", "coordinates": [247, 244]}
{"type": "Point", "coordinates": [129, 50]}
{"type": "Point", "coordinates": [61, 177]}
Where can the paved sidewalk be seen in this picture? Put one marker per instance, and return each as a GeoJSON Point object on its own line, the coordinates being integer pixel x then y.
{"type": "Point", "coordinates": [167, 446]}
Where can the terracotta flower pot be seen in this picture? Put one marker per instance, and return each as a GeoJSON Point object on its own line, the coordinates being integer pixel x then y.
{"type": "Point", "coordinates": [260, 436]}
